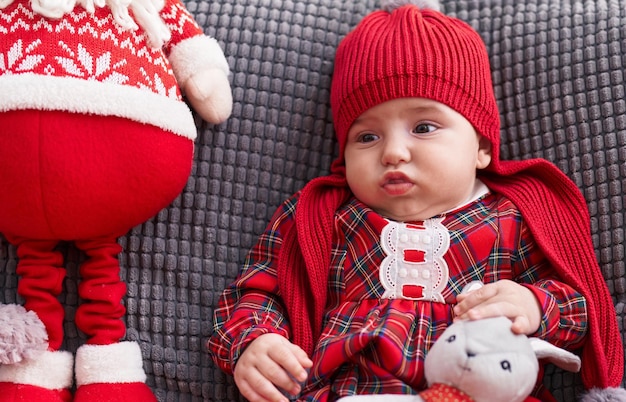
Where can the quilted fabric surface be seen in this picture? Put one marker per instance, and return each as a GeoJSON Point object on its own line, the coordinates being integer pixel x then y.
{"type": "Point", "coordinates": [558, 70]}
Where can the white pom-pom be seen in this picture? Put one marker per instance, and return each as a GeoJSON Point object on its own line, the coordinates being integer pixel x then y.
{"type": "Point", "coordinates": [390, 5]}
{"type": "Point", "coordinates": [22, 334]}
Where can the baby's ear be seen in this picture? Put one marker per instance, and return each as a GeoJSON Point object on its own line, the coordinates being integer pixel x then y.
{"type": "Point", "coordinates": [483, 158]}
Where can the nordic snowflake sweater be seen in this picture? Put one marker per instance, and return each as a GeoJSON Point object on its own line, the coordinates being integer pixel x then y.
{"type": "Point", "coordinates": [87, 63]}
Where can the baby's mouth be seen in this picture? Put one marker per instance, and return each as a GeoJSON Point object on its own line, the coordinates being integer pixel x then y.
{"type": "Point", "coordinates": [396, 183]}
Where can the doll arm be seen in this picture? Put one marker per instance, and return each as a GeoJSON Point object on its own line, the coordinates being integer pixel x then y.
{"type": "Point", "coordinates": [251, 306]}
{"type": "Point", "coordinates": [202, 73]}
{"type": "Point", "coordinates": [198, 63]}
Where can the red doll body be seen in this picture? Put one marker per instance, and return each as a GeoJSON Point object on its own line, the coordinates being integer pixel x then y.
{"type": "Point", "coordinates": [95, 138]}
{"type": "Point", "coordinates": [89, 188]}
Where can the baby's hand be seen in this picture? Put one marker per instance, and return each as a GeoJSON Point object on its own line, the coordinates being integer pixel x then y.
{"type": "Point", "coordinates": [271, 361]}
{"type": "Point", "coordinates": [501, 298]}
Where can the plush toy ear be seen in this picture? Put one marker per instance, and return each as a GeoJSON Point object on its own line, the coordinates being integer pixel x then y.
{"type": "Point", "coordinates": [555, 355]}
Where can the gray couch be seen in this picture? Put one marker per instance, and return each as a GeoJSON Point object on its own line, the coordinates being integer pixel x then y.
{"type": "Point", "coordinates": [558, 70]}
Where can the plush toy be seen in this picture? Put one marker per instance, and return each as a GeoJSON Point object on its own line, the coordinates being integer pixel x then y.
{"type": "Point", "coordinates": [95, 138]}
{"type": "Point", "coordinates": [484, 361]}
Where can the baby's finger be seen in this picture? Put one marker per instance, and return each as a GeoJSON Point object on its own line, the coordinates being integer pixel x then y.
{"type": "Point", "coordinates": [468, 301]}
{"type": "Point", "coordinates": [293, 360]}
{"type": "Point", "coordinates": [490, 309]}
{"type": "Point", "coordinates": [302, 357]}
{"type": "Point", "coordinates": [282, 377]}
{"type": "Point", "coordinates": [521, 325]}
{"type": "Point", "coordinates": [256, 388]}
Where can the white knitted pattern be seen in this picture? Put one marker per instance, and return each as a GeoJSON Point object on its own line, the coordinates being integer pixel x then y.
{"type": "Point", "coordinates": [83, 48]}
{"type": "Point", "coordinates": [146, 14]}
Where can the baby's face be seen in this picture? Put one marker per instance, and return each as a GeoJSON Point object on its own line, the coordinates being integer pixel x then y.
{"type": "Point", "coordinates": [413, 158]}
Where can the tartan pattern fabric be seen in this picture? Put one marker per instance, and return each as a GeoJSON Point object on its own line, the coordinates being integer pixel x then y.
{"type": "Point", "coordinates": [374, 345]}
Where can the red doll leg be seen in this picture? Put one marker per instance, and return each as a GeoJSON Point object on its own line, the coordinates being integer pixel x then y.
{"type": "Point", "coordinates": [41, 273]}
{"type": "Point", "coordinates": [48, 378]}
{"type": "Point", "coordinates": [100, 314]}
{"type": "Point", "coordinates": [106, 369]}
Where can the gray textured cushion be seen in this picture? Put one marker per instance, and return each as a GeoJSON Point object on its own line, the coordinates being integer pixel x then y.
{"type": "Point", "coordinates": [558, 76]}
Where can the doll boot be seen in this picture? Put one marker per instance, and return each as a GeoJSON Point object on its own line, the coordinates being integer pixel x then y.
{"type": "Point", "coordinates": [111, 373]}
{"type": "Point", "coordinates": [47, 378]}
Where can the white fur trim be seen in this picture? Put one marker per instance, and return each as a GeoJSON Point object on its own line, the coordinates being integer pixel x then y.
{"type": "Point", "coordinates": [51, 370]}
{"type": "Point", "coordinates": [200, 52]}
{"type": "Point", "coordinates": [115, 363]}
{"type": "Point", "coordinates": [39, 92]}
{"type": "Point", "coordinates": [390, 5]}
{"type": "Point", "coordinates": [604, 395]}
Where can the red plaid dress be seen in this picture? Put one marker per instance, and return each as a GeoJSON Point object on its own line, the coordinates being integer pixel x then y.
{"type": "Point", "coordinates": [372, 343]}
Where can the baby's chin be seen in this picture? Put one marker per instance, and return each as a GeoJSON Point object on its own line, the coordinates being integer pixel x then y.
{"type": "Point", "coordinates": [411, 214]}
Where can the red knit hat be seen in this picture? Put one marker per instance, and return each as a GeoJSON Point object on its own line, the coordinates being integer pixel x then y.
{"type": "Point", "coordinates": [413, 53]}
{"type": "Point", "coordinates": [410, 52]}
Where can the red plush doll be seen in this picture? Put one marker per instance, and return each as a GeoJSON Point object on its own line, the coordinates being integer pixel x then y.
{"type": "Point", "coordinates": [95, 138]}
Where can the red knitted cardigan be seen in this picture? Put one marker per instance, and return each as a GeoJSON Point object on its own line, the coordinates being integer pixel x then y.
{"type": "Point", "coordinates": [554, 210]}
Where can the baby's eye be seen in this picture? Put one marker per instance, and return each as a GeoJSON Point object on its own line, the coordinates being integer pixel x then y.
{"type": "Point", "coordinates": [367, 137]}
{"type": "Point", "coordinates": [424, 128]}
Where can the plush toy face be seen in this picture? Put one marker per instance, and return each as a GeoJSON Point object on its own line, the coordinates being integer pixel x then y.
{"type": "Point", "coordinates": [485, 360]}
